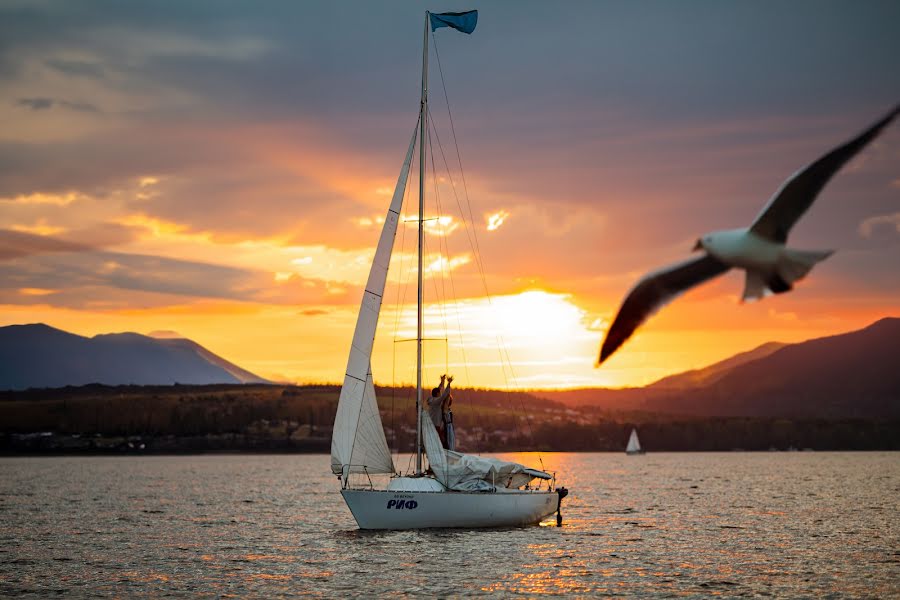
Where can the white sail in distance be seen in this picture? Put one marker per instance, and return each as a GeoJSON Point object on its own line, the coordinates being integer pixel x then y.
{"type": "Point", "coordinates": [358, 444]}
{"type": "Point", "coordinates": [634, 446]}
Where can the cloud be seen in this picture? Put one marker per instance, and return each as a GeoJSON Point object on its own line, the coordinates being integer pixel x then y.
{"type": "Point", "coordinates": [165, 334]}
{"type": "Point", "coordinates": [77, 68]}
{"type": "Point", "coordinates": [39, 198]}
{"type": "Point", "coordinates": [17, 244]}
{"type": "Point", "coordinates": [81, 274]}
{"type": "Point", "coordinates": [35, 103]}
{"type": "Point", "coordinates": [21, 241]}
{"type": "Point", "coordinates": [494, 221]}
{"type": "Point", "coordinates": [867, 227]}
{"type": "Point", "coordinates": [41, 227]}
{"type": "Point", "coordinates": [48, 103]}
{"type": "Point", "coordinates": [277, 135]}
{"type": "Point", "coordinates": [91, 268]}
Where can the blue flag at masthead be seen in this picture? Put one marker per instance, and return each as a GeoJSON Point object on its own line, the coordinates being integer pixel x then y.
{"type": "Point", "coordinates": [460, 21]}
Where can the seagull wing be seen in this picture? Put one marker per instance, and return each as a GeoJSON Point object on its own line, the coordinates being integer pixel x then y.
{"type": "Point", "coordinates": [798, 193]}
{"type": "Point", "coordinates": [653, 292]}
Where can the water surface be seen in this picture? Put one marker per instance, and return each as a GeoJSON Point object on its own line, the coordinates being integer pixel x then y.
{"type": "Point", "coordinates": [731, 524]}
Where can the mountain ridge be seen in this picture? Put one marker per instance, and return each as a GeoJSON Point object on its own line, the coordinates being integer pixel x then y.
{"type": "Point", "coordinates": [848, 375]}
{"type": "Point", "coordinates": [37, 355]}
{"type": "Point", "coordinates": [854, 374]}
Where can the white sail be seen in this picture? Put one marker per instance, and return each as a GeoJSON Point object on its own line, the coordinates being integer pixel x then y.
{"type": "Point", "coordinates": [634, 446]}
{"type": "Point", "coordinates": [358, 444]}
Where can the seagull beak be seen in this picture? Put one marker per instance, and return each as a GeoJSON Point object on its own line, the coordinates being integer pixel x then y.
{"type": "Point", "coordinates": [697, 246]}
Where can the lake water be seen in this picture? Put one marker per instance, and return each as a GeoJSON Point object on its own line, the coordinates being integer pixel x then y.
{"type": "Point", "coordinates": [730, 524]}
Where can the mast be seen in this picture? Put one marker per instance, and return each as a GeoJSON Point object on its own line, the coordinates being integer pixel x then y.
{"type": "Point", "coordinates": [423, 115]}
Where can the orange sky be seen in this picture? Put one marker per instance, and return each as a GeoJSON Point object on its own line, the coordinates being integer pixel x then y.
{"type": "Point", "coordinates": [231, 187]}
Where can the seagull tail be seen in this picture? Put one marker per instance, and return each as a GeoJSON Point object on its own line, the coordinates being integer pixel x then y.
{"type": "Point", "coordinates": [794, 265]}
{"type": "Point", "coordinates": [755, 287]}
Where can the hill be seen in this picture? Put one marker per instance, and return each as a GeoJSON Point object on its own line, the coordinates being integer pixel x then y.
{"type": "Point", "coordinates": [849, 375]}
{"type": "Point", "coordinates": [40, 356]}
{"type": "Point", "coordinates": [716, 371]}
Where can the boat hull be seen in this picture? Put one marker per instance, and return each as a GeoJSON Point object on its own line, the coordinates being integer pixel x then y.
{"type": "Point", "coordinates": [386, 509]}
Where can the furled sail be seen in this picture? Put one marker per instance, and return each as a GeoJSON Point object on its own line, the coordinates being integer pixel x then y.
{"type": "Point", "coordinates": [470, 473]}
{"type": "Point", "coordinates": [358, 444]}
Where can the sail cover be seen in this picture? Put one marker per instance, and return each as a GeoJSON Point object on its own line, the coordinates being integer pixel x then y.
{"type": "Point", "coordinates": [358, 444]}
{"type": "Point", "coordinates": [470, 473]}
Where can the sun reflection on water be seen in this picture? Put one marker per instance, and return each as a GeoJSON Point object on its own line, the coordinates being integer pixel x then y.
{"type": "Point", "coordinates": [664, 524]}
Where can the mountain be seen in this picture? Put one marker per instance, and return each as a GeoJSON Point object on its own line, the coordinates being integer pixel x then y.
{"type": "Point", "coordinates": [41, 356]}
{"type": "Point", "coordinates": [716, 371]}
{"type": "Point", "coordinates": [855, 374]}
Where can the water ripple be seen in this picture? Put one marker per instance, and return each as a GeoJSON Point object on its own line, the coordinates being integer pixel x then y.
{"type": "Point", "coordinates": [660, 525]}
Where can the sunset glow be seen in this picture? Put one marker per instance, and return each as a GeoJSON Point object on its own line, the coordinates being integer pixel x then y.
{"type": "Point", "coordinates": [229, 188]}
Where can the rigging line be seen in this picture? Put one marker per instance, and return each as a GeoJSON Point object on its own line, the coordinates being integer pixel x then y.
{"type": "Point", "coordinates": [443, 312]}
{"type": "Point", "coordinates": [504, 364]}
{"type": "Point", "coordinates": [443, 292]}
{"type": "Point", "coordinates": [480, 265]}
{"type": "Point", "coordinates": [450, 275]}
{"type": "Point", "coordinates": [478, 260]}
{"type": "Point", "coordinates": [473, 243]}
{"type": "Point", "coordinates": [455, 143]}
{"type": "Point", "coordinates": [462, 346]}
{"type": "Point", "coordinates": [528, 416]}
{"type": "Point", "coordinates": [398, 310]}
{"type": "Point", "coordinates": [476, 246]}
{"type": "Point", "coordinates": [410, 400]}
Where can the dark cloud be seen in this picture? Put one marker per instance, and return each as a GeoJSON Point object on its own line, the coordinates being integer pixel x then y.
{"type": "Point", "coordinates": [48, 103]}
{"type": "Point", "coordinates": [608, 129]}
{"type": "Point", "coordinates": [35, 103]}
{"type": "Point", "coordinates": [79, 274]}
{"type": "Point", "coordinates": [542, 76]}
{"type": "Point", "coordinates": [17, 244]}
{"type": "Point", "coordinates": [674, 61]}
{"type": "Point", "coordinates": [79, 106]}
{"type": "Point", "coordinates": [77, 68]}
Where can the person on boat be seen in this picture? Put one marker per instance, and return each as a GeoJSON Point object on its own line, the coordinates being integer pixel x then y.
{"type": "Point", "coordinates": [437, 405]}
{"type": "Point", "coordinates": [449, 431]}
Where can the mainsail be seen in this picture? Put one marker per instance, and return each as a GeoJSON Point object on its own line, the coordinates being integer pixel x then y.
{"type": "Point", "coordinates": [358, 444]}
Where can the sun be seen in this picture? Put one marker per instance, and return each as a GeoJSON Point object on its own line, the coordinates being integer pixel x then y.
{"type": "Point", "coordinates": [530, 339]}
{"type": "Point", "coordinates": [536, 317]}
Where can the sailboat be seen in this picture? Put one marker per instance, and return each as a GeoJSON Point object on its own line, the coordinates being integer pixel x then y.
{"type": "Point", "coordinates": [446, 488]}
{"type": "Point", "coordinates": [634, 445]}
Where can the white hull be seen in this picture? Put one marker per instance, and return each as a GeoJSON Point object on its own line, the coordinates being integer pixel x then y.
{"type": "Point", "coordinates": [386, 509]}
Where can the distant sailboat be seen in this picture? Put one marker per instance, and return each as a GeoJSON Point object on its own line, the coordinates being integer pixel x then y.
{"type": "Point", "coordinates": [634, 445]}
{"type": "Point", "coordinates": [453, 489]}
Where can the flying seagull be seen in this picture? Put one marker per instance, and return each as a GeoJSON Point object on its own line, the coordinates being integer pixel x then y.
{"type": "Point", "coordinates": [760, 250]}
